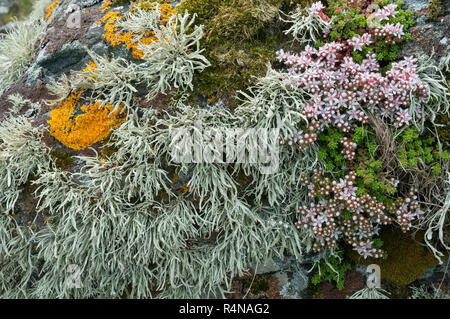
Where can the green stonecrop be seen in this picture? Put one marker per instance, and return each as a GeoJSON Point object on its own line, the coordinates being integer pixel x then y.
{"type": "Point", "coordinates": [369, 167]}
{"type": "Point", "coordinates": [331, 269]}
{"type": "Point", "coordinates": [331, 152]}
{"type": "Point", "coordinates": [417, 151]}
{"type": "Point", "coordinates": [353, 18]}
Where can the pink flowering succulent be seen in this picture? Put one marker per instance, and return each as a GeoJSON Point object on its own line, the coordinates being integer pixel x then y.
{"type": "Point", "coordinates": [386, 12]}
{"type": "Point", "coordinates": [342, 214]}
{"type": "Point", "coordinates": [358, 42]}
{"type": "Point", "coordinates": [391, 32]}
{"type": "Point", "coordinates": [316, 8]}
{"type": "Point", "coordinates": [407, 210]}
{"type": "Point", "coordinates": [343, 91]}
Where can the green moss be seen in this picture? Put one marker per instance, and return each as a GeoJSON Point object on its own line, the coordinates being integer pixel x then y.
{"type": "Point", "coordinates": [434, 8]}
{"type": "Point", "coordinates": [108, 149]}
{"type": "Point", "coordinates": [61, 159]}
{"type": "Point", "coordinates": [406, 259]}
{"type": "Point", "coordinates": [241, 37]}
{"type": "Point", "coordinates": [234, 24]}
{"type": "Point", "coordinates": [140, 4]}
{"type": "Point", "coordinates": [257, 285]}
{"type": "Point", "coordinates": [119, 2]}
{"type": "Point", "coordinates": [443, 130]}
{"type": "Point", "coordinates": [313, 291]}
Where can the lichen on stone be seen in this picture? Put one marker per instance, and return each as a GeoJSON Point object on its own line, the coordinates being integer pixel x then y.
{"type": "Point", "coordinates": [79, 131]}
{"type": "Point", "coordinates": [116, 35]}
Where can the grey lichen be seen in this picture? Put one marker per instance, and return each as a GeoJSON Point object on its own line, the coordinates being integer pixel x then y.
{"type": "Point", "coordinates": [307, 26]}
{"type": "Point", "coordinates": [370, 293]}
{"type": "Point", "coordinates": [17, 49]}
{"type": "Point", "coordinates": [172, 62]}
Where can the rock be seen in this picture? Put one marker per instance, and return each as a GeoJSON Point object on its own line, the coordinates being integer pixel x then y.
{"type": "Point", "coordinates": [295, 288]}
{"type": "Point", "coordinates": [436, 273]}
{"type": "Point", "coordinates": [276, 264]}
{"type": "Point", "coordinates": [268, 267]}
{"type": "Point", "coordinates": [415, 5]}
{"type": "Point", "coordinates": [427, 39]}
{"type": "Point", "coordinates": [94, 35]}
{"type": "Point", "coordinates": [282, 278]}
{"type": "Point", "coordinates": [72, 56]}
{"type": "Point", "coordinates": [428, 36]}
{"type": "Point", "coordinates": [89, 3]}
{"type": "Point", "coordinates": [6, 6]}
{"type": "Point", "coordinates": [361, 269]}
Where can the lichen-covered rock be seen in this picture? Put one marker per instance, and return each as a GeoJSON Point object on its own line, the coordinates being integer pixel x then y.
{"type": "Point", "coordinates": [143, 226]}
{"type": "Point", "coordinates": [429, 35]}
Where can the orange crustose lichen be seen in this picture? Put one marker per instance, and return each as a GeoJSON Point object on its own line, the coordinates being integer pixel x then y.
{"type": "Point", "coordinates": [82, 130]}
{"type": "Point", "coordinates": [106, 5]}
{"type": "Point", "coordinates": [49, 10]}
{"type": "Point", "coordinates": [90, 68]}
{"type": "Point", "coordinates": [132, 41]}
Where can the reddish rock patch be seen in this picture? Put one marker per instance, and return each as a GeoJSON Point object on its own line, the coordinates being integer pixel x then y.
{"type": "Point", "coordinates": [59, 34]}
{"type": "Point", "coordinates": [35, 93]}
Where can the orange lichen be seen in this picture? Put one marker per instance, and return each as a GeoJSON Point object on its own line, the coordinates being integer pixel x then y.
{"type": "Point", "coordinates": [106, 5]}
{"type": "Point", "coordinates": [49, 10]}
{"type": "Point", "coordinates": [211, 99]}
{"type": "Point", "coordinates": [132, 41]}
{"type": "Point", "coordinates": [47, 221]}
{"type": "Point", "coordinates": [83, 130]}
{"type": "Point", "coordinates": [185, 188]}
{"type": "Point", "coordinates": [90, 68]}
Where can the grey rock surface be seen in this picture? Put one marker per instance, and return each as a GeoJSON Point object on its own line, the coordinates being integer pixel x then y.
{"type": "Point", "coordinates": [415, 5]}
{"type": "Point", "coordinates": [5, 6]}
{"type": "Point", "coordinates": [296, 284]}
{"type": "Point", "coordinates": [436, 273]}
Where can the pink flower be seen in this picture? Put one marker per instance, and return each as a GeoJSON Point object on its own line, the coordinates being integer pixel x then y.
{"type": "Point", "coordinates": [316, 8]}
